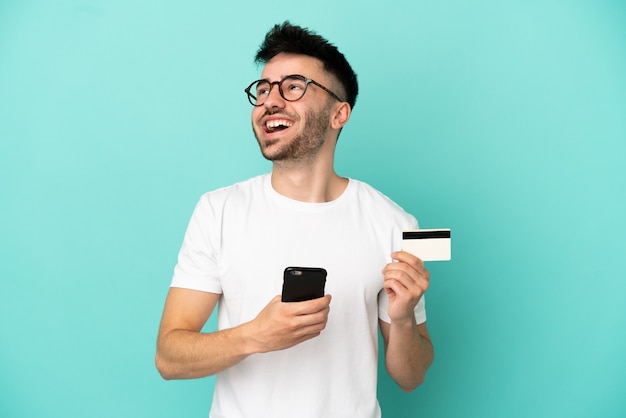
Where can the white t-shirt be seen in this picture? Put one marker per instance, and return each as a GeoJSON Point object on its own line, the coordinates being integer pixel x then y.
{"type": "Point", "coordinates": [239, 241]}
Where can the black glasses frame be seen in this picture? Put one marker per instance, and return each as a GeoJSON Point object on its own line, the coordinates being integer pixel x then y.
{"type": "Point", "coordinates": [253, 99]}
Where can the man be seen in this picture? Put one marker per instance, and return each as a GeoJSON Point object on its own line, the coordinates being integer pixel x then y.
{"type": "Point", "coordinates": [297, 359]}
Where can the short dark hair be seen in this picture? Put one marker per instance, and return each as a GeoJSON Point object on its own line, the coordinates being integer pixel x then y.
{"type": "Point", "coordinates": [292, 39]}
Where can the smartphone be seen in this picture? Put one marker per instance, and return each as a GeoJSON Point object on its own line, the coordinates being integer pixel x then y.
{"type": "Point", "coordinates": [303, 283]}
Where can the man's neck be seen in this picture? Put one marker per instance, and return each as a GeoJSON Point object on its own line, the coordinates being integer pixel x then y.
{"type": "Point", "coordinates": [308, 184]}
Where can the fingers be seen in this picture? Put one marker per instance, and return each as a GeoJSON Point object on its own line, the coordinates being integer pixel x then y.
{"type": "Point", "coordinates": [409, 259]}
{"type": "Point", "coordinates": [405, 281]}
{"type": "Point", "coordinates": [408, 274]}
{"type": "Point", "coordinates": [409, 264]}
{"type": "Point", "coordinates": [309, 317]}
{"type": "Point", "coordinates": [310, 306]}
{"type": "Point", "coordinates": [282, 325]}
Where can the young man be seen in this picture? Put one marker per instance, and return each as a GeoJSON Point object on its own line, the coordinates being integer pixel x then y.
{"type": "Point", "coordinates": [297, 359]}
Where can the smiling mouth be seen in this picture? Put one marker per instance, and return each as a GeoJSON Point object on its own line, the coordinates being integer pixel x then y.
{"type": "Point", "coordinates": [277, 125]}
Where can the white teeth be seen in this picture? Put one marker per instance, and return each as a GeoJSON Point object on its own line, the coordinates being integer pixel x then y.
{"type": "Point", "coordinates": [278, 122]}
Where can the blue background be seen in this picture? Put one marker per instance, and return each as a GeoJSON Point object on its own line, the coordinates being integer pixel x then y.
{"type": "Point", "coordinates": [505, 121]}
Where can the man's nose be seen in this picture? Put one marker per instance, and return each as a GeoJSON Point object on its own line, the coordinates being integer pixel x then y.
{"type": "Point", "coordinates": [274, 98]}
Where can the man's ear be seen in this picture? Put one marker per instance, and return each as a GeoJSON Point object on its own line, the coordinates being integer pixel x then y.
{"type": "Point", "coordinates": [341, 116]}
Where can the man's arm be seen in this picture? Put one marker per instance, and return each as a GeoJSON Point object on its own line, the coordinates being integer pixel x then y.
{"type": "Point", "coordinates": [408, 353]}
{"type": "Point", "coordinates": [408, 349]}
{"type": "Point", "coordinates": [183, 352]}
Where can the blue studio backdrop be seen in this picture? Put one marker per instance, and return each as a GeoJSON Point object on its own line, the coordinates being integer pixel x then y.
{"type": "Point", "coordinates": [502, 120]}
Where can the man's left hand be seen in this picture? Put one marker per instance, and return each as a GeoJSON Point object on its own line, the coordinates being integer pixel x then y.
{"type": "Point", "coordinates": [405, 281]}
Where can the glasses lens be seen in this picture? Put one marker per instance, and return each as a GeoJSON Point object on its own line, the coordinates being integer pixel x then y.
{"type": "Point", "coordinates": [258, 91]}
{"type": "Point", "coordinates": [293, 88]}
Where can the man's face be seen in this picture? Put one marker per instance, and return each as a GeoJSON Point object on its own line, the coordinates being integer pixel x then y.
{"type": "Point", "coordinates": [293, 130]}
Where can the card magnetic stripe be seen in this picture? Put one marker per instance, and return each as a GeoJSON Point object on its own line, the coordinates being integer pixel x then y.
{"type": "Point", "coordinates": [425, 234]}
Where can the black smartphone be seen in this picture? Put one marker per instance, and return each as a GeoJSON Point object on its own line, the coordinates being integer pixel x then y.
{"type": "Point", "coordinates": [303, 283]}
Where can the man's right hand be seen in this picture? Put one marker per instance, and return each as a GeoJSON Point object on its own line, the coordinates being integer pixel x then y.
{"type": "Point", "coordinates": [282, 325]}
{"type": "Point", "coordinates": [184, 352]}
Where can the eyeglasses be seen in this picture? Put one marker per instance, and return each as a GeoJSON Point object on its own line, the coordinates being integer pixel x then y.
{"type": "Point", "coordinates": [291, 88]}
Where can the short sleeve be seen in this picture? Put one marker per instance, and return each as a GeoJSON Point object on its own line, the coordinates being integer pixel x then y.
{"type": "Point", "coordinates": [197, 267]}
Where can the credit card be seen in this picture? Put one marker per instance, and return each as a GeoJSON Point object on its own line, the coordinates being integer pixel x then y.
{"type": "Point", "coordinates": [428, 244]}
